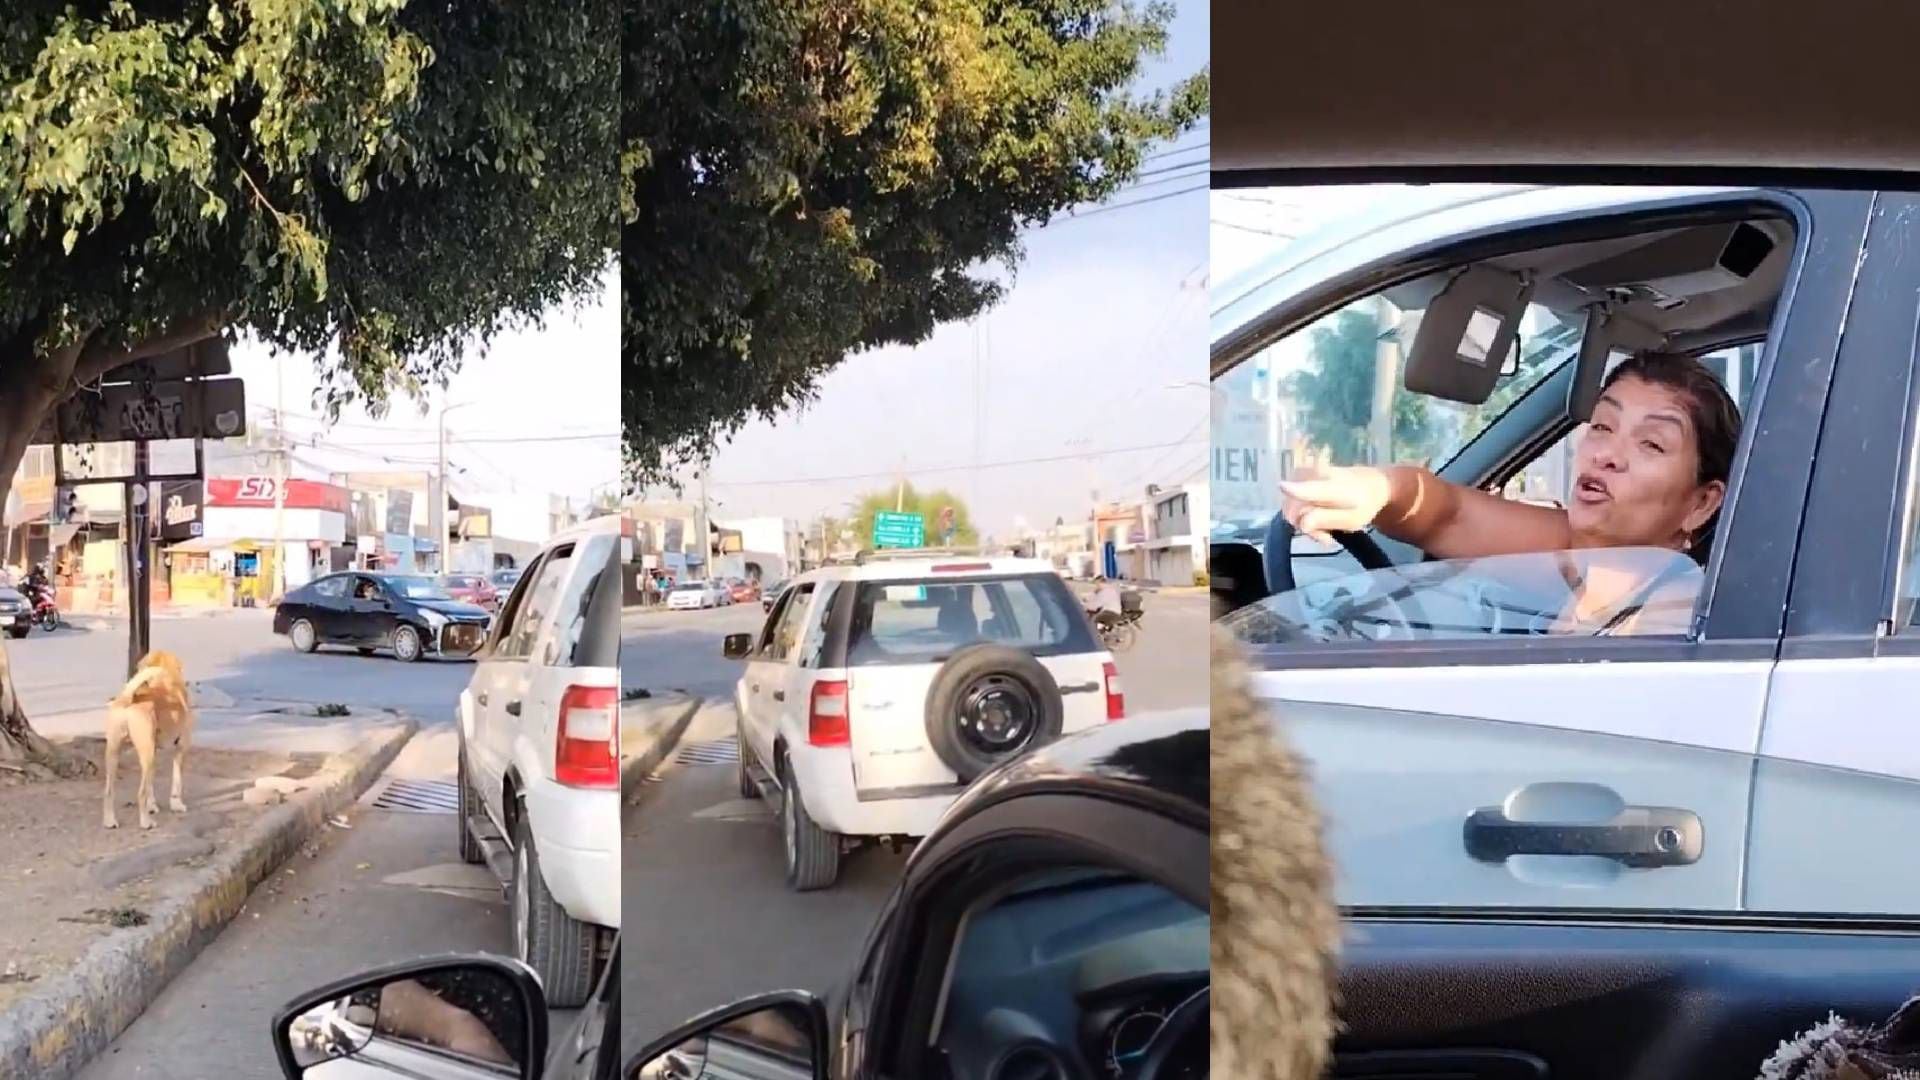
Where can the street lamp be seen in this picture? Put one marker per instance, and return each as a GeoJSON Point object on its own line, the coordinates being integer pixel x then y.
{"type": "Point", "coordinates": [440, 504]}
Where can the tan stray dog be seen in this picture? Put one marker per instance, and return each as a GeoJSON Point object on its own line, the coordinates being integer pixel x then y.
{"type": "Point", "coordinates": [152, 708]}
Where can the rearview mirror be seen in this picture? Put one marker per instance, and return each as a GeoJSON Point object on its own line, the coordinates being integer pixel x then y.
{"type": "Point", "coordinates": [780, 1036]}
{"type": "Point", "coordinates": [737, 646]}
{"type": "Point", "coordinates": [479, 1016]}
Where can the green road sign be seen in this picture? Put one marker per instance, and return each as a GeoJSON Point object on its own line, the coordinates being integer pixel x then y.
{"type": "Point", "coordinates": [896, 530]}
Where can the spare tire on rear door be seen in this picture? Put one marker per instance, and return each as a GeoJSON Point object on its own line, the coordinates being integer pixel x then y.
{"type": "Point", "coordinates": [989, 704]}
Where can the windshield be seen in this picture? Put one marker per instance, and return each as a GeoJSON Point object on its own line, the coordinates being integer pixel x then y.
{"type": "Point", "coordinates": [1593, 592]}
{"type": "Point", "coordinates": [927, 620]}
{"type": "Point", "coordinates": [418, 588]}
{"type": "Point", "coordinates": [691, 587]}
{"type": "Point", "coordinates": [1317, 397]}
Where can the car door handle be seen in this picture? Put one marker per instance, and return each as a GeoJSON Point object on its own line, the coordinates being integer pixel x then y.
{"type": "Point", "coordinates": [513, 708]}
{"type": "Point", "coordinates": [779, 695]}
{"type": "Point", "coordinates": [1642, 837]}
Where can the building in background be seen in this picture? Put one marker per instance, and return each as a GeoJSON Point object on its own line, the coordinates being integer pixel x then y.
{"type": "Point", "coordinates": [1176, 548]}
{"type": "Point", "coordinates": [769, 549]}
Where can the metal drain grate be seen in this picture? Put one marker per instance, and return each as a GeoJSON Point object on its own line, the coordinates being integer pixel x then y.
{"type": "Point", "coordinates": [718, 752]}
{"type": "Point", "coordinates": [420, 797]}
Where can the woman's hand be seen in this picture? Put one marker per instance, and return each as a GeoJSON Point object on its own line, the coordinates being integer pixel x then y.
{"type": "Point", "coordinates": [1335, 499]}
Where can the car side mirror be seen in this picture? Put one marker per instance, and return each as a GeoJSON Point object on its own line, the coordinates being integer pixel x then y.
{"type": "Point", "coordinates": [450, 1016]}
{"type": "Point", "coordinates": [781, 1035]}
{"type": "Point", "coordinates": [737, 646]}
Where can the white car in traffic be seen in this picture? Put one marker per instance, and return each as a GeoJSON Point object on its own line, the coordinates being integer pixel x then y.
{"type": "Point", "coordinates": [877, 691]}
{"type": "Point", "coordinates": [693, 595]}
{"type": "Point", "coordinates": [540, 754]}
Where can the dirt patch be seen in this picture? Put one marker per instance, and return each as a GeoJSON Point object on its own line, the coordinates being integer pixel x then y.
{"type": "Point", "coordinates": [66, 882]}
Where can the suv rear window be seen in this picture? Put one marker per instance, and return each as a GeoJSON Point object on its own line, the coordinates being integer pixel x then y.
{"type": "Point", "coordinates": [925, 620]}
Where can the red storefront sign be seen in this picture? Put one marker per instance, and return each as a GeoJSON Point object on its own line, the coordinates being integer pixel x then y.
{"type": "Point", "coordinates": [258, 491]}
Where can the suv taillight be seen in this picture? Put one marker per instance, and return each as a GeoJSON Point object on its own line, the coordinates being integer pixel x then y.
{"type": "Point", "coordinates": [827, 715]}
{"type": "Point", "coordinates": [587, 747]}
{"type": "Point", "coordinates": [1116, 701]}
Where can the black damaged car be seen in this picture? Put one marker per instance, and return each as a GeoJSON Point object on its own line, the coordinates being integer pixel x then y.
{"type": "Point", "coordinates": [412, 615]}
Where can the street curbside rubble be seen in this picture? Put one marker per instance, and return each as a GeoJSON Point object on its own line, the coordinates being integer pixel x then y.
{"type": "Point", "coordinates": [53, 1032]}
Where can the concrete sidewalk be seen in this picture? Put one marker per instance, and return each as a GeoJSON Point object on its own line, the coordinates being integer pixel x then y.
{"type": "Point", "coordinates": [649, 728]}
{"type": "Point", "coordinates": [195, 883]}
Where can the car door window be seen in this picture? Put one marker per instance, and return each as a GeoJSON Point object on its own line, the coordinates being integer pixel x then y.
{"type": "Point", "coordinates": [784, 636]}
{"type": "Point", "coordinates": [537, 606]}
{"type": "Point", "coordinates": [332, 588]}
{"type": "Point", "coordinates": [813, 645]}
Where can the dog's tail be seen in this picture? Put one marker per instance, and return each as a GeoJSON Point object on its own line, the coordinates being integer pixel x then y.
{"type": "Point", "coordinates": [135, 685]}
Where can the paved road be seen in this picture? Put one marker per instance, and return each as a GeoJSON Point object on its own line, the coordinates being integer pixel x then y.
{"type": "Point", "coordinates": [389, 888]}
{"type": "Point", "coordinates": [707, 914]}
{"type": "Point", "coordinates": [80, 666]}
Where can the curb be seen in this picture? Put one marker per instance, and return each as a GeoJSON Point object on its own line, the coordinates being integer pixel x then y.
{"type": "Point", "coordinates": [58, 1029]}
{"type": "Point", "coordinates": [656, 750]}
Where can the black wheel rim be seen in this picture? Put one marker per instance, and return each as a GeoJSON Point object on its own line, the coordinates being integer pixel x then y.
{"type": "Point", "coordinates": [998, 715]}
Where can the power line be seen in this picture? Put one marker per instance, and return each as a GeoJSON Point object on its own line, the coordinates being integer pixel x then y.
{"type": "Point", "coordinates": [1111, 207]}
{"type": "Point", "coordinates": [1225, 224]}
{"type": "Point", "coordinates": [515, 440]}
{"type": "Point", "coordinates": [1170, 151]}
{"type": "Point", "coordinates": [892, 473]}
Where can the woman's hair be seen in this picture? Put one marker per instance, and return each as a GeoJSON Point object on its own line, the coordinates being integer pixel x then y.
{"type": "Point", "coordinates": [1710, 409]}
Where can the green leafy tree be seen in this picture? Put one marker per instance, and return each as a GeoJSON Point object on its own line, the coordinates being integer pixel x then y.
{"type": "Point", "coordinates": [912, 500]}
{"type": "Point", "coordinates": [372, 183]}
{"type": "Point", "coordinates": [1335, 393]}
{"type": "Point", "coordinates": [805, 179]}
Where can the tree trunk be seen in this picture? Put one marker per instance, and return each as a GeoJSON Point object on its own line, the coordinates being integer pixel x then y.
{"type": "Point", "coordinates": [32, 383]}
{"type": "Point", "coordinates": [24, 753]}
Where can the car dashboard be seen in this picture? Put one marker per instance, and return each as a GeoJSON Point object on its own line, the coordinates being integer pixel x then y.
{"type": "Point", "coordinates": [1074, 983]}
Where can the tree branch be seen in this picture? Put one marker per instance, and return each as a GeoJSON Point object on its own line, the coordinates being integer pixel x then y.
{"type": "Point", "coordinates": [97, 359]}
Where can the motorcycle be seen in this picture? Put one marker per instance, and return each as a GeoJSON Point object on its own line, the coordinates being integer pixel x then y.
{"type": "Point", "coordinates": [45, 614]}
{"type": "Point", "coordinates": [1119, 630]}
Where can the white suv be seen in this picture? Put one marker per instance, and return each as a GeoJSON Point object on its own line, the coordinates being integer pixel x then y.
{"type": "Point", "coordinates": [877, 691]}
{"type": "Point", "coordinates": [540, 758]}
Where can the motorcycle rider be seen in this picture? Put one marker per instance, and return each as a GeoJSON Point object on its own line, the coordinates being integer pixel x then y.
{"type": "Point", "coordinates": [37, 584]}
{"type": "Point", "coordinates": [1104, 605]}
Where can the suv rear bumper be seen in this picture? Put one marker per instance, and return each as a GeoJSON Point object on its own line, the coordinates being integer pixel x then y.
{"type": "Point", "coordinates": [577, 833]}
{"type": "Point", "coordinates": [824, 776]}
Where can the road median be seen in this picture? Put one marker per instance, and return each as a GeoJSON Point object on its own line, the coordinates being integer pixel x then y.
{"type": "Point", "coordinates": [187, 898]}
{"type": "Point", "coordinates": [649, 728]}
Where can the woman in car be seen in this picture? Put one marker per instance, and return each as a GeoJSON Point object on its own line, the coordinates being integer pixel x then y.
{"type": "Point", "coordinates": [1651, 472]}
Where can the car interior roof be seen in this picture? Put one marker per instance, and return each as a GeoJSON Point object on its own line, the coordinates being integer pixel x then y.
{"type": "Point", "coordinates": [1512, 82]}
{"type": "Point", "coordinates": [1739, 311]}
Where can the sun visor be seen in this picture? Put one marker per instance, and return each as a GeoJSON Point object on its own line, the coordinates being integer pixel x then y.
{"type": "Point", "coordinates": [1466, 333]}
{"type": "Point", "coordinates": [1608, 332]}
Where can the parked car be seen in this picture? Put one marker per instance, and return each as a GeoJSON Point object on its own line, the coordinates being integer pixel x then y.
{"type": "Point", "coordinates": [877, 691]}
{"type": "Point", "coordinates": [539, 758]}
{"type": "Point", "coordinates": [475, 589]}
{"type": "Point", "coordinates": [769, 592]}
{"type": "Point", "coordinates": [505, 579]}
{"type": "Point", "coordinates": [1120, 882]}
{"type": "Point", "coordinates": [409, 614]}
{"type": "Point", "coordinates": [742, 591]}
{"type": "Point", "coordinates": [16, 612]}
{"type": "Point", "coordinates": [694, 595]}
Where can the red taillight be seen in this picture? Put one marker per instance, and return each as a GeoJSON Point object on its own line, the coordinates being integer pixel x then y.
{"type": "Point", "coordinates": [827, 715]}
{"type": "Point", "coordinates": [587, 747]}
{"type": "Point", "coordinates": [1116, 701]}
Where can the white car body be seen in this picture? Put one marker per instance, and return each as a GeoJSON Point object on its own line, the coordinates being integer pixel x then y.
{"type": "Point", "coordinates": [886, 780]}
{"type": "Point", "coordinates": [1799, 763]}
{"type": "Point", "coordinates": [695, 595]}
{"type": "Point", "coordinates": [525, 692]}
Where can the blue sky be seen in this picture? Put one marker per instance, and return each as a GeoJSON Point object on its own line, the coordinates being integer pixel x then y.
{"type": "Point", "coordinates": [1106, 311]}
{"type": "Point", "coordinates": [542, 410]}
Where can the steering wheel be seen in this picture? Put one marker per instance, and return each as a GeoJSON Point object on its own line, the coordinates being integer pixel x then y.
{"type": "Point", "coordinates": [1277, 554]}
{"type": "Point", "coordinates": [1158, 1060]}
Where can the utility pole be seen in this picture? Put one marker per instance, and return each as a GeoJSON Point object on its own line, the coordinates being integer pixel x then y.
{"type": "Point", "coordinates": [279, 478]}
{"type": "Point", "coordinates": [703, 526]}
{"type": "Point", "coordinates": [1386, 379]}
{"type": "Point", "coordinates": [441, 500]}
